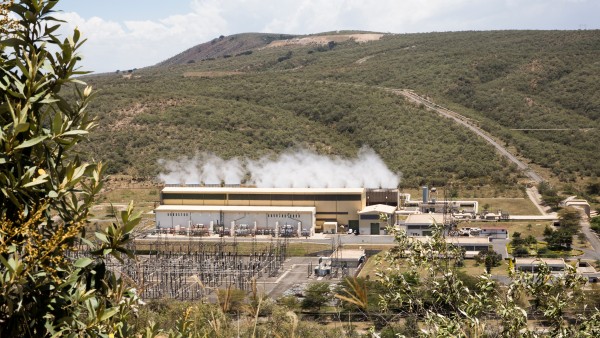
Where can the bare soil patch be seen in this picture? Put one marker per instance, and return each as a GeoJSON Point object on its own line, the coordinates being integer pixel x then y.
{"type": "Point", "coordinates": [324, 39]}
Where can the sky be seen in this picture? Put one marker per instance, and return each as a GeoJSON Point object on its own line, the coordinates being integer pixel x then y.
{"type": "Point", "coordinates": [127, 34]}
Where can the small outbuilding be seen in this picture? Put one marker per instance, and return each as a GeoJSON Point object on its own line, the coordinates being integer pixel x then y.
{"type": "Point", "coordinates": [350, 258]}
{"type": "Point", "coordinates": [421, 224]}
{"type": "Point", "coordinates": [494, 232]}
{"type": "Point", "coordinates": [370, 219]}
{"type": "Point", "coordinates": [330, 227]}
{"type": "Point", "coordinates": [556, 265]}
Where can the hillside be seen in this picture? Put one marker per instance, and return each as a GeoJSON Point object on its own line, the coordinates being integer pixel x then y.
{"type": "Point", "coordinates": [328, 98]}
{"type": "Point", "coordinates": [225, 46]}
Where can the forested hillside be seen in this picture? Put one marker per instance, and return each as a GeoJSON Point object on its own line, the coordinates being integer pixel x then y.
{"type": "Point", "coordinates": [329, 98]}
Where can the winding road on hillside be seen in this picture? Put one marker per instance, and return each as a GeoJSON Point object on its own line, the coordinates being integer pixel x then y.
{"type": "Point", "coordinates": [411, 96]}
{"type": "Point", "coordinates": [532, 192]}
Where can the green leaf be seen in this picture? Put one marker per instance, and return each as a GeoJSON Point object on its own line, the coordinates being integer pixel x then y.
{"type": "Point", "coordinates": [57, 123]}
{"type": "Point", "coordinates": [75, 132]}
{"type": "Point", "coordinates": [32, 142]}
{"type": "Point", "coordinates": [21, 127]}
{"type": "Point", "coordinates": [109, 313]}
{"type": "Point", "coordinates": [37, 181]}
{"type": "Point", "coordinates": [102, 237]}
{"type": "Point", "coordinates": [83, 262]}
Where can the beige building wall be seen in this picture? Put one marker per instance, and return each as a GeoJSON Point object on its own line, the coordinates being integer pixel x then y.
{"type": "Point", "coordinates": [342, 211]}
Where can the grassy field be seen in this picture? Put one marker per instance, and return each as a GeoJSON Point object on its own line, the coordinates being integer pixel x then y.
{"type": "Point", "coordinates": [294, 249]}
{"type": "Point", "coordinates": [471, 267]}
{"type": "Point", "coordinates": [514, 206]}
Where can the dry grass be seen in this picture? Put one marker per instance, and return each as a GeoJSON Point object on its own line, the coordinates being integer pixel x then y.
{"type": "Point", "coordinates": [514, 206]}
{"type": "Point", "coordinates": [372, 266]}
{"type": "Point", "coordinates": [472, 268]}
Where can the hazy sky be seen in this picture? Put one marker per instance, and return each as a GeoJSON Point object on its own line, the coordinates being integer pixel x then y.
{"type": "Point", "coordinates": [125, 34]}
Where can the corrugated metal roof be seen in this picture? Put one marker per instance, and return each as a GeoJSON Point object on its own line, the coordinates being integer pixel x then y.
{"type": "Point", "coordinates": [378, 208]}
{"type": "Point", "coordinates": [455, 240]}
{"type": "Point", "coordinates": [467, 240]}
{"type": "Point", "coordinates": [537, 261]}
{"type": "Point", "coordinates": [207, 208]}
{"type": "Point", "coordinates": [348, 254]}
{"type": "Point", "coordinates": [191, 190]}
{"type": "Point", "coordinates": [424, 219]}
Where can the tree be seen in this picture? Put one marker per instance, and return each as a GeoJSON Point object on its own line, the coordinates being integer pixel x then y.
{"type": "Point", "coordinates": [517, 240]}
{"type": "Point", "coordinates": [593, 188]}
{"type": "Point", "coordinates": [595, 224]}
{"type": "Point", "coordinates": [451, 309]}
{"type": "Point", "coordinates": [530, 240]}
{"type": "Point", "coordinates": [46, 191]}
{"type": "Point", "coordinates": [550, 196]}
{"type": "Point", "coordinates": [569, 219]}
{"type": "Point", "coordinates": [490, 259]}
{"type": "Point", "coordinates": [315, 296]}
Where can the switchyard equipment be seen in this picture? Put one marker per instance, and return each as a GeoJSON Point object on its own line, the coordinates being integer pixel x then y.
{"type": "Point", "coordinates": [193, 269]}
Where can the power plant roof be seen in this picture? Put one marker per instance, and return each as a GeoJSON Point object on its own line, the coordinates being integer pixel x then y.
{"type": "Point", "coordinates": [209, 208]}
{"type": "Point", "coordinates": [340, 191]}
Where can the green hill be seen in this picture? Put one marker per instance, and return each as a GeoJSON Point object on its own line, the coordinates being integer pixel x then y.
{"type": "Point", "coordinates": [328, 97]}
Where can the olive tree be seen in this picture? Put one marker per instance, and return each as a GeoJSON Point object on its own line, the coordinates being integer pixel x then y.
{"type": "Point", "coordinates": [46, 190]}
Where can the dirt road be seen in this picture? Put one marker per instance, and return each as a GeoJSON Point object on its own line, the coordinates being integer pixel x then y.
{"type": "Point", "coordinates": [409, 94]}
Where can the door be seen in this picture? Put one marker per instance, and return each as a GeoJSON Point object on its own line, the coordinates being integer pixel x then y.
{"type": "Point", "coordinates": [374, 228]}
{"type": "Point", "coordinates": [353, 225]}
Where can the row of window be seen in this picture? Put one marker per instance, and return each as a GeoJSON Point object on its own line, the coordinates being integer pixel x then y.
{"type": "Point", "coordinates": [178, 214]}
{"type": "Point", "coordinates": [268, 215]}
{"type": "Point", "coordinates": [284, 215]}
{"type": "Point", "coordinates": [415, 227]}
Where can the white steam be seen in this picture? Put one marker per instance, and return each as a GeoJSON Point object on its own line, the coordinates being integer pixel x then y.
{"type": "Point", "coordinates": [203, 168]}
{"type": "Point", "coordinates": [298, 169]}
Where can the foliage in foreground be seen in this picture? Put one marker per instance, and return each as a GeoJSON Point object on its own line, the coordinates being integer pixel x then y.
{"type": "Point", "coordinates": [432, 289]}
{"type": "Point", "coordinates": [46, 192]}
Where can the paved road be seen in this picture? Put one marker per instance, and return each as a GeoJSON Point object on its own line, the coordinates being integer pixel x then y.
{"type": "Point", "coordinates": [591, 236]}
{"type": "Point", "coordinates": [535, 197]}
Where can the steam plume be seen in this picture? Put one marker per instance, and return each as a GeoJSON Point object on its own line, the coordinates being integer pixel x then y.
{"type": "Point", "coordinates": [293, 169]}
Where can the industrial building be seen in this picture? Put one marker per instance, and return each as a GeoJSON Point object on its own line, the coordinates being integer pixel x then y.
{"type": "Point", "coordinates": [259, 208]}
{"type": "Point", "coordinates": [421, 224]}
{"type": "Point", "coordinates": [371, 222]}
{"type": "Point", "coordinates": [237, 220]}
{"type": "Point", "coordinates": [532, 264]}
{"type": "Point", "coordinates": [431, 204]}
{"type": "Point", "coordinates": [297, 211]}
{"type": "Point", "coordinates": [494, 232]}
{"type": "Point", "coordinates": [471, 246]}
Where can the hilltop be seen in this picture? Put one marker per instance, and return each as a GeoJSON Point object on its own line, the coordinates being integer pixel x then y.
{"type": "Point", "coordinates": [535, 91]}
{"type": "Point", "coordinates": [225, 46]}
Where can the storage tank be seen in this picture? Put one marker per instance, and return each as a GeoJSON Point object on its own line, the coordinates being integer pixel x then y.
{"type": "Point", "coordinates": [425, 194]}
